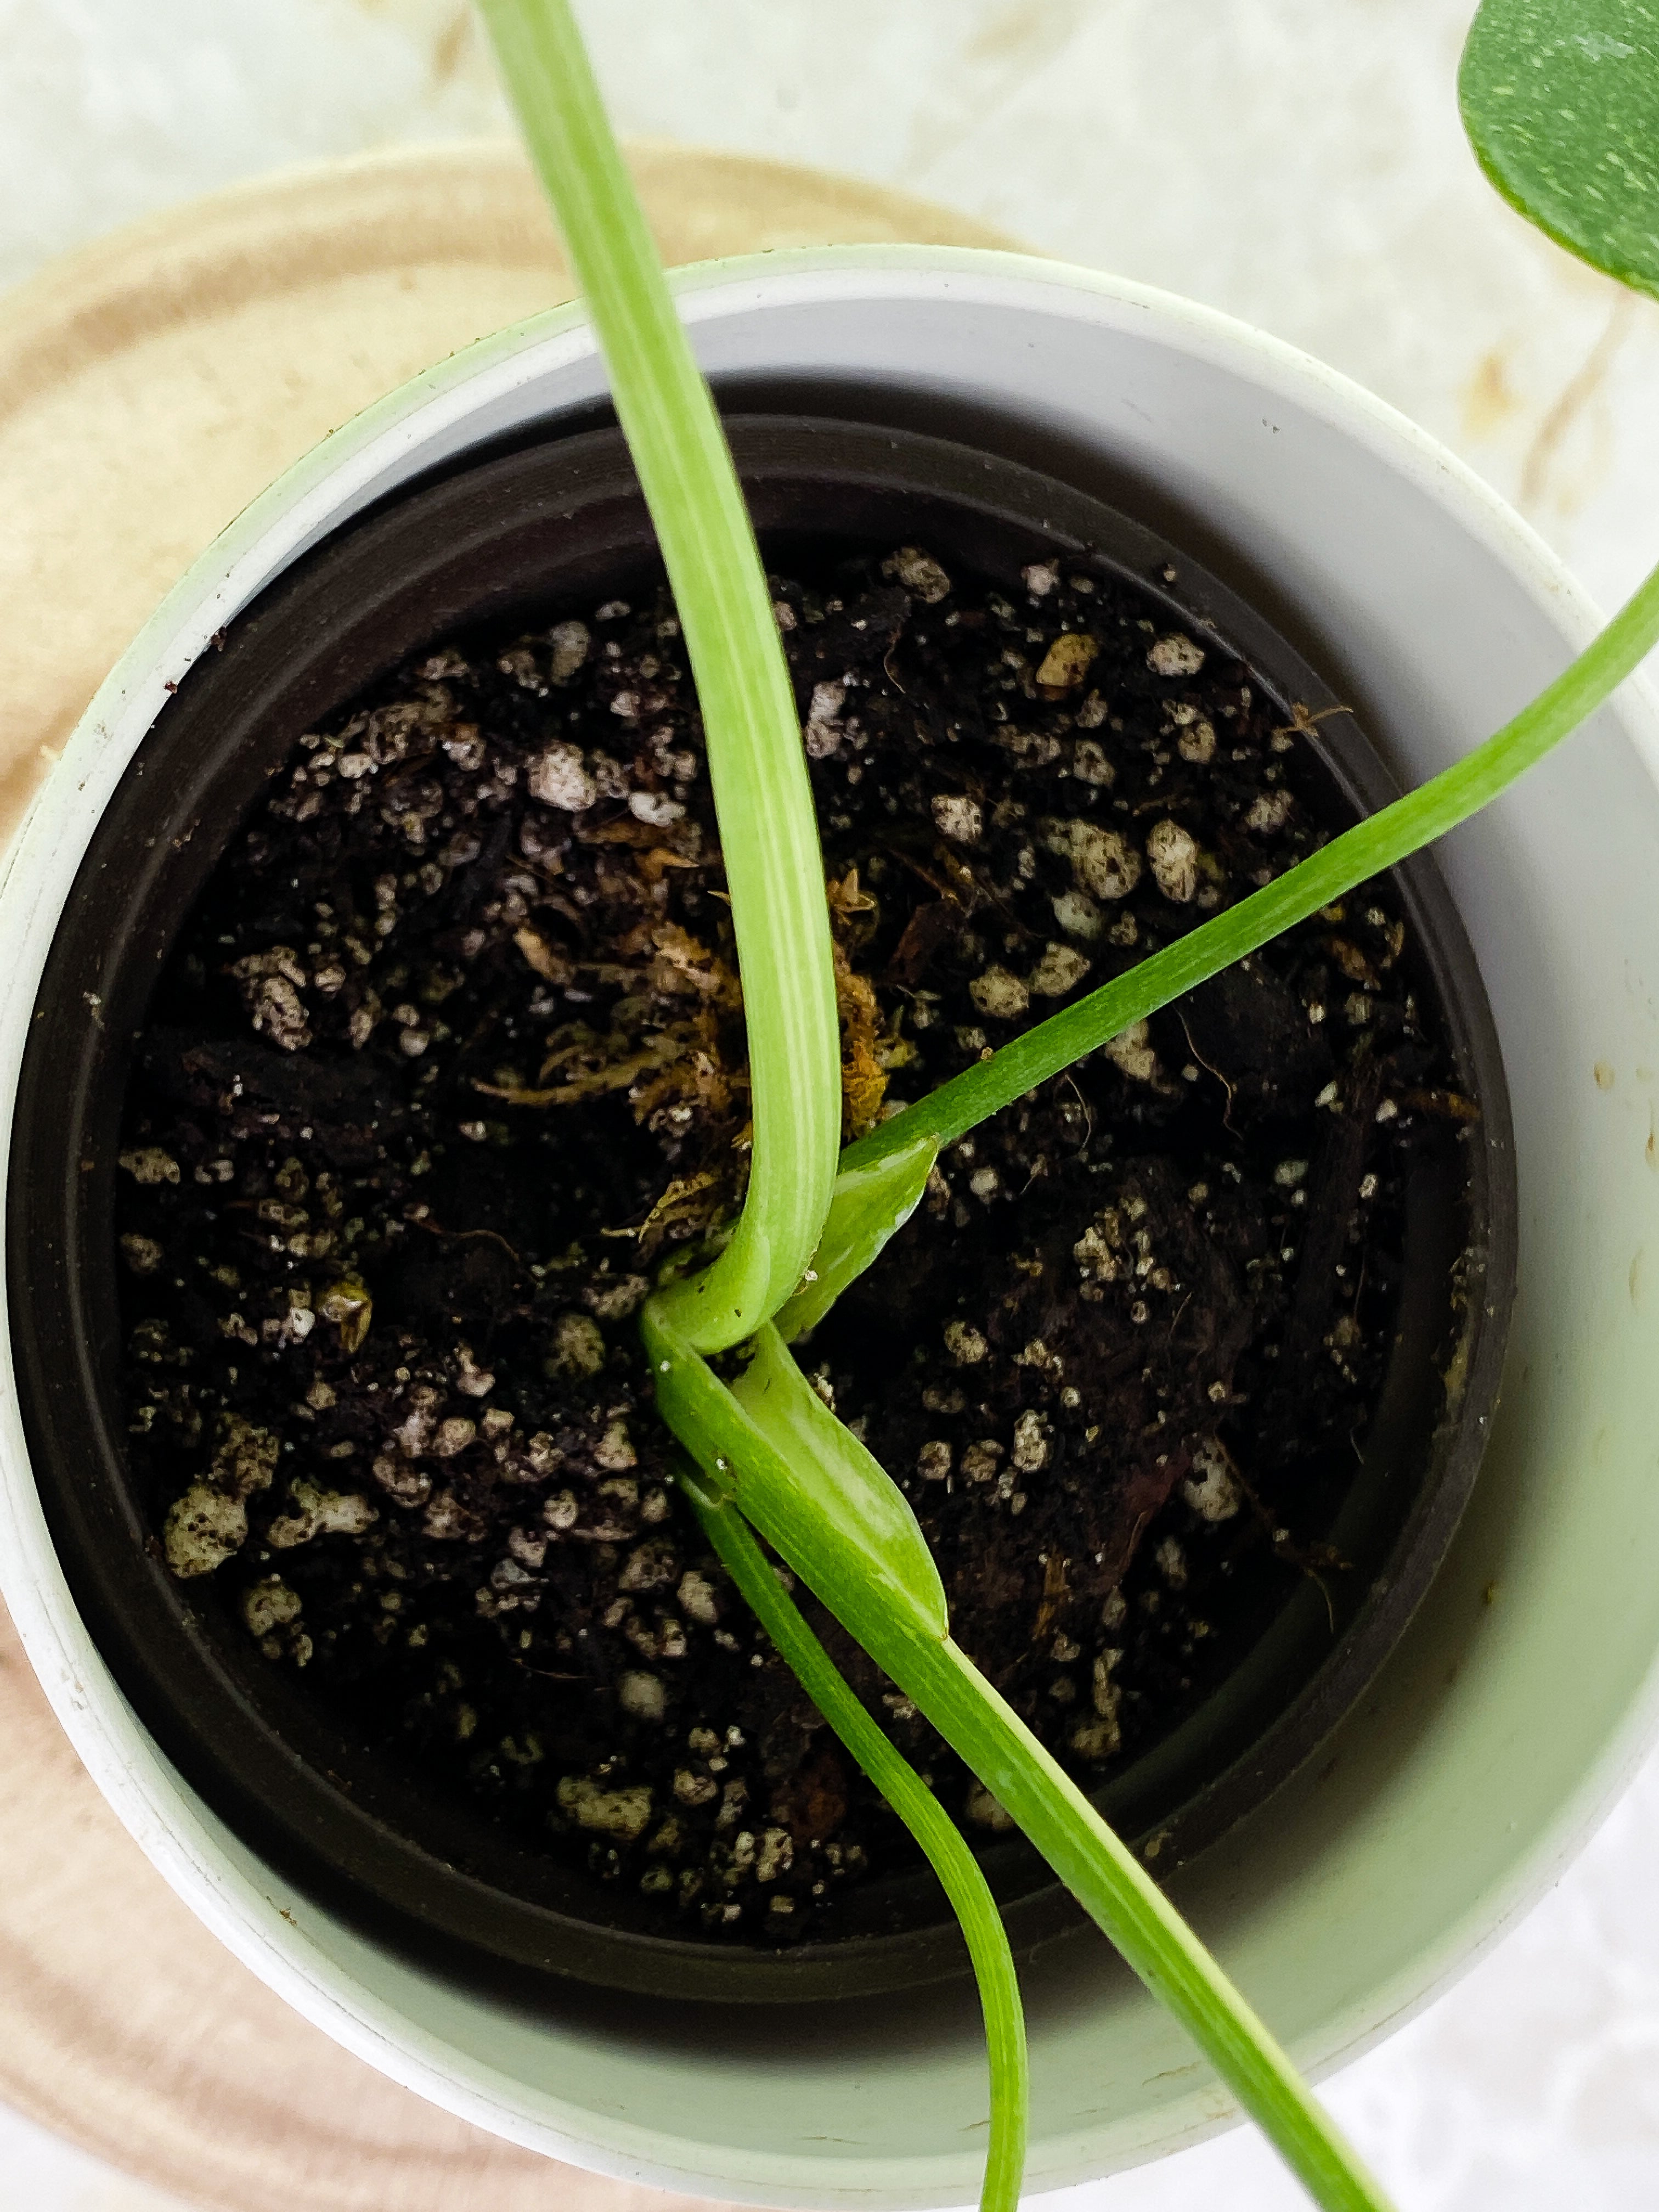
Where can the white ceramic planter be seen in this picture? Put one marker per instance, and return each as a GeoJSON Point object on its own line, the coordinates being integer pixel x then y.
{"type": "Point", "coordinates": [1526, 1687]}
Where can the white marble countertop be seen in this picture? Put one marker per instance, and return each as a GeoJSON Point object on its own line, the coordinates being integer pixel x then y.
{"type": "Point", "coordinates": [1297, 162]}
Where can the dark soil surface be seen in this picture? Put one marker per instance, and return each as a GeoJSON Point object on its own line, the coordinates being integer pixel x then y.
{"type": "Point", "coordinates": [450, 1059]}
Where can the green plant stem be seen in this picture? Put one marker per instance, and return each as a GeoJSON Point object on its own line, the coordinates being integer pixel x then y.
{"type": "Point", "coordinates": [958, 1870]}
{"type": "Point", "coordinates": [768, 831]}
{"type": "Point", "coordinates": [869, 1206]}
{"type": "Point", "coordinates": [796, 1472]}
{"type": "Point", "coordinates": [1123, 1901]}
{"type": "Point", "coordinates": [1379, 842]}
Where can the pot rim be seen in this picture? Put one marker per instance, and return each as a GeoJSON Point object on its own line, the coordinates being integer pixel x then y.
{"type": "Point", "coordinates": [472, 548]}
{"type": "Point", "coordinates": [340, 476]}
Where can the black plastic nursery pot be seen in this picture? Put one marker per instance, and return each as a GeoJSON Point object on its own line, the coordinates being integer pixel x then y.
{"type": "Point", "coordinates": [531, 536]}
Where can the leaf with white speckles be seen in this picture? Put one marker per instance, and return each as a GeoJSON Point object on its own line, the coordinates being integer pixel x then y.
{"type": "Point", "coordinates": [1560, 99]}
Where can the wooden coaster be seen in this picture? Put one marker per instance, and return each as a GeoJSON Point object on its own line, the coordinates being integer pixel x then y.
{"type": "Point", "coordinates": [149, 386]}
{"type": "Point", "coordinates": [152, 384]}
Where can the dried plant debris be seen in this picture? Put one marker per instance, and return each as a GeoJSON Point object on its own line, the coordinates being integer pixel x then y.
{"type": "Point", "coordinates": [449, 1064]}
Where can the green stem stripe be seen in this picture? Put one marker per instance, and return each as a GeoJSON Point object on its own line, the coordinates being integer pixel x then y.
{"type": "Point", "coordinates": [757, 768]}
{"type": "Point", "coordinates": [1379, 842]}
{"type": "Point", "coordinates": [958, 1871]}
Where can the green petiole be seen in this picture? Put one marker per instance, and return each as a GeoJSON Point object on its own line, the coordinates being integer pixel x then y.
{"type": "Point", "coordinates": [768, 831]}
{"type": "Point", "coordinates": [957, 1869]}
{"type": "Point", "coordinates": [1379, 842]}
{"type": "Point", "coordinates": [770, 1445]}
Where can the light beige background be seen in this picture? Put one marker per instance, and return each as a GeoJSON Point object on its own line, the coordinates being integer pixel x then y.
{"type": "Point", "coordinates": [1295, 161]}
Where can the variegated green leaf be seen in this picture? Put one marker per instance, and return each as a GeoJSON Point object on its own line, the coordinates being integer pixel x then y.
{"type": "Point", "coordinates": [1560, 99]}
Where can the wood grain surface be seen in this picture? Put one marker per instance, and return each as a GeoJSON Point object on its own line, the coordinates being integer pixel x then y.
{"type": "Point", "coordinates": [149, 386]}
{"type": "Point", "coordinates": [152, 384]}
